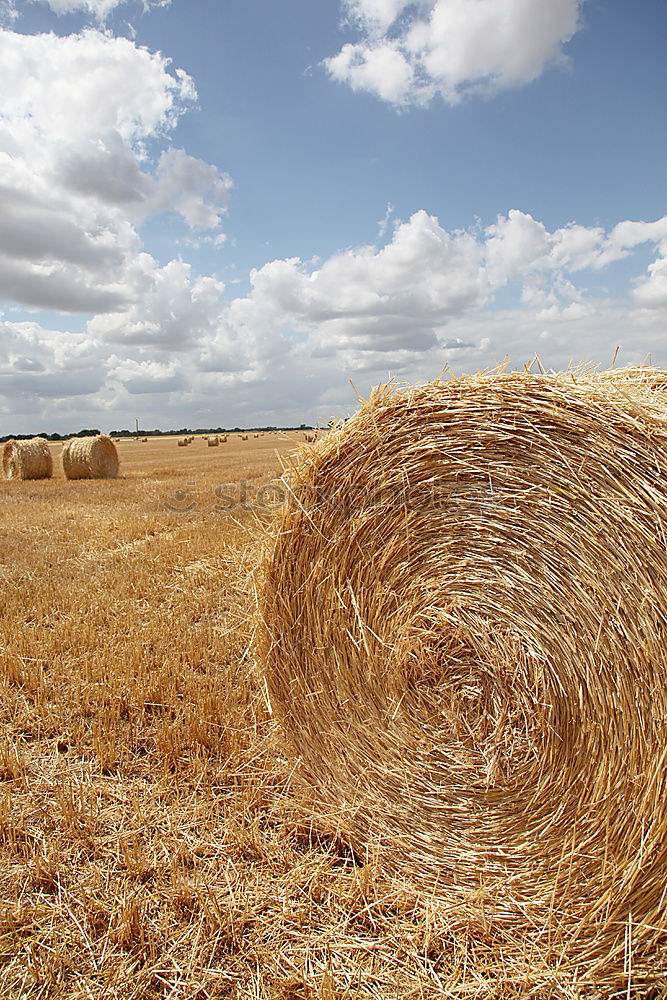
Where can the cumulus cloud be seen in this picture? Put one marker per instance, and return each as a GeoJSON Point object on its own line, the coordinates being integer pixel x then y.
{"type": "Point", "coordinates": [406, 293]}
{"type": "Point", "coordinates": [172, 310]}
{"type": "Point", "coordinates": [652, 292]}
{"type": "Point", "coordinates": [196, 189]}
{"type": "Point", "coordinates": [409, 52]}
{"type": "Point", "coordinates": [77, 177]}
{"type": "Point", "coordinates": [38, 365]}
{"type": "Point", "coordinates": [423, 298]}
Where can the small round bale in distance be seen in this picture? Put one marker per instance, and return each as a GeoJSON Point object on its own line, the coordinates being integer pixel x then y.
{"type": "Point", "coordinates": [29, 459]}
{"type": "Point", "coordinates": [93, 457]}
{"type": "Point", "coordinates": [463, 631]}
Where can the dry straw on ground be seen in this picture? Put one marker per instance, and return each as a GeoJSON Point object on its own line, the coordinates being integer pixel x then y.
{"type": "Point", "coordinates": [463, 625]}
{"type": "Point", "coordinates": [93, 457]}
{"type": "Point", "coordinates": [27, 459]}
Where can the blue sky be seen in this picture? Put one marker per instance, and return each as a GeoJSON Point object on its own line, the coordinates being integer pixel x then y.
{"type": "Point", "coordinates": [225, 211]}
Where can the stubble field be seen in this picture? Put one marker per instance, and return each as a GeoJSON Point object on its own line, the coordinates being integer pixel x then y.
{"type": "Point", "coordinates": [151, 840]}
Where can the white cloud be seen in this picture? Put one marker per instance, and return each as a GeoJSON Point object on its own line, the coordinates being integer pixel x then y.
{"type": "Point", "coordinates": [119, 86]}
{"type": "Point", "coordinates": [422, 299]}
{"type": "Point", "coordinates": [409, 52]}
{"type": "Point", "coordinates": [192, 187]}
{"type": "Point", "coordinates": [104, 167]}
{"type": "Point", "coordinates": [98, 9]}
{"type": "Point", "coordinates": [77, 177]}
{"type": "Point", "coordinates": [171, 310]}
{"type": "Point", "coordinates": [652, 292]}
{"type": "Point", "coordinates": [381, 69]}
{"type": "Point", "coordinates": [38, 365]}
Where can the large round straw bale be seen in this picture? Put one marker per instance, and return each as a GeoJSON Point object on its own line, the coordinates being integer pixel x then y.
{"type": "Point", "coordinates": [636, 377]}
{"type": "Point", "coordinates": [463, 631]}
{"type": "Point", "coordinates": [93, 457]}
{"type": "Point", "coordinates": [29, 459]}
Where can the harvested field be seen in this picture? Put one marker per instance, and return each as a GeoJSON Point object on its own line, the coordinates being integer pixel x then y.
{"type": "Point", "coordinates": [153, 842]}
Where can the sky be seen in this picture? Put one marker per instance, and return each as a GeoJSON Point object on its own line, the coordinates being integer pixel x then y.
{"type": "Point", "coordinates": [249, 212]}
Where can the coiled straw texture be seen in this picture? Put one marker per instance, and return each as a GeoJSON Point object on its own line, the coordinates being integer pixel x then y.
{"type": "Point", "coordinates": [463, 630]}
{"type": "Point", "coordinates": [93, 457]}
{"type": "Point", "coordinates": [29, 459]}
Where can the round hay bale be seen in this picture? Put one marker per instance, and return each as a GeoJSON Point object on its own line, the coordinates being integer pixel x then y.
{"type": "Point", "coordinates": [646, 378]}
{"type": "Point", "coordinates": [93, 457]}
{"type": "Point", "coordinates": [29, 459]}
{"type": "Point", "coordinates": [463, 631]}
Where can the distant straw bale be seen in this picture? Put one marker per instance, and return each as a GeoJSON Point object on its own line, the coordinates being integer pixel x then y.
{"type": "Point", "coordinates": [244, 437]}
{"type": "Point", "coordinates": [213, 442]}
{"type": "Point", "coordinates": [93, 457]}
{"type": "Point", "coordinates": [29, 459]}
{"type": "Point", "coordinates": [462, 628]}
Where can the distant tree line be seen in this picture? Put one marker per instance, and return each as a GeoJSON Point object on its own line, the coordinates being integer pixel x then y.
{"type": "Point", "coordinates": [88, 431]}
{"type": "Point", "coordinates": [204, 430]}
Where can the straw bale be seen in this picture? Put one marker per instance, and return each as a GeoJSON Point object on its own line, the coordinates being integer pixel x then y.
{"type": "Point", "coordinates": [213, 442]}
{"type": "Point", "coordinates": [93, 457]}
{"type": "Point", "coordinates": [463, 630]}
{"type": "Point", "coordinates": [637, 377]}
{"type": "Point", "coordinates": [29, 459]}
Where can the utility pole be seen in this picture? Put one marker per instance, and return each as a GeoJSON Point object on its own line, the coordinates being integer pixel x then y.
{"type": "Point", "coordinates": [136, 422]}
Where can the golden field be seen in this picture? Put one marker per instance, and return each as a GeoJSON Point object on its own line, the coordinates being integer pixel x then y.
{"type": "Point", "coordinates": [151, 842]}
{"type": "Point", "coordinates": [150, 846]}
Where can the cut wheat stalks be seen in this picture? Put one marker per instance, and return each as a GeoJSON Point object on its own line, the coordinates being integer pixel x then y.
{"type": "Point", "coordinates": [93, 457]}
{"type": "Point", "coordinates": [29, 459]}
{"type": "Point", "coordinates": [462, 627]}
